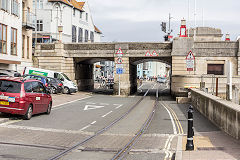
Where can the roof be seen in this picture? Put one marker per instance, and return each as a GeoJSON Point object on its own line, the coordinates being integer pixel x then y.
{"type": "Point", "coordinates": [73, 3]}
{"type": "Point", "coordinates": [18, 79]}
{"type": "Point", "coordinates": [97, 30]}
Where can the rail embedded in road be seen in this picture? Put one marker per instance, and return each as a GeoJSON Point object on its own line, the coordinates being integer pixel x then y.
{"type": "Point", "coordinates": [66, 151]}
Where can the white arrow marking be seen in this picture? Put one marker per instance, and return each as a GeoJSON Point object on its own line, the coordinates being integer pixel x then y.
{"type": "Point", "coordinates": [88, 107]}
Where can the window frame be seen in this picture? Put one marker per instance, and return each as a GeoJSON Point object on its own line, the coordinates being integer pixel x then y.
{"type": "Point", "coordinates": [74, 35]}
{"type": "Point", "coordinates": [215, 72]}
{"type": "Point", "coordinates": [2, 41]}
{"type": "Point", "coordinates": [28, 47]}
{"type": "Point", "coordinates": [86, 35]}
{"type": "Point", "coordinates": [13, 43]}
{"type": "Point", "coordinates": [80, 34]}
{"type": "Point", "coordinates": [39, 25]}
{"type": "Point", "coordinates": [23, 46]}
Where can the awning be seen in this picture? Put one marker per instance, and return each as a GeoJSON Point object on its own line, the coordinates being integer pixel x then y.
{"type": "Point", "coordinates": [9, 61]}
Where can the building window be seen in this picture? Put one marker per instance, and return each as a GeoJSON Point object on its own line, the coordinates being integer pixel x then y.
{"type": "Point", "coordinates": [13, 41]}
{"type": "Point", "coordinates": [39, 4]}
{"type": "Point", "coordinates": [92, 36]}
{"type": "Point", "coordinates": [15, 8]}
{"type": "Point", "coordinates": [3, 38]}
{"type": "Point", "coordinates": [87, 17]}
{"type": "Point", "coordinates": [28, 48]}
{"type": "Point", "coordinates": [74, 34]}
{"type": "Point", "coordinates": [80, 35]}
{"type": "Point", "coordinates": [4, 5]}
{"type": "Point", "coordinates": [23, 46]}
{"type": "Point", "coordinates": [86, 35]}
{"type": "Point", "coordinates": [216, 69]}
{"type": "Point", "coordinates": [74, 11]}
{"type": "Point", "coordinates": [39, 25]}
{"type": "Point", "coordinates": [80, 15]}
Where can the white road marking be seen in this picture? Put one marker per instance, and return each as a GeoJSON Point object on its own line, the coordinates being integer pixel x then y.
{"type": "Point", "coordinates": [71, 102]}
{"type": "Point", "coordinates": [106, 114]}
{"type": "Point", "coordinates": [140, 86]}
{"type": "Point", "coordinates": [173, 124]}
{"type": "Point", "coordinates": [93, 122]}
{"type": "Point", "coordinates": [85, 127]}
{"type": "Point", "coordinates": [44, 129]}
{"type": "Point", "coordinates": [89, 107]}
{"type": "Point", "coordinates": [104, 104]}
{"type": "Point", "coordinates": [118, 105]}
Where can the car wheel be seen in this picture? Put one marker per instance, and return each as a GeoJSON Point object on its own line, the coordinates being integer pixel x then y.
{"type": "Point", "coordinates": [49, 108]}
{"type": "Point", "coordinates": [53, 90]}
{"type": "Point", "coordinates": [66, 90]}
{"type": "Point", "coordinates": [29, 113]}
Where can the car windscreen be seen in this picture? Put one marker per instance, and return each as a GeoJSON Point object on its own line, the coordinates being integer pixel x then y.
{"type": "Point", "coordinates": [64, 75]}
{"type": "Point", "coordinates": [10, 86]}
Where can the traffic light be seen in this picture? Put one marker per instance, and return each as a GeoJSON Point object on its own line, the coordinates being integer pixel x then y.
{"type": "Point", "coordinates": [165, 38]}
{"type": "Point", "coordinates": [164, 27]}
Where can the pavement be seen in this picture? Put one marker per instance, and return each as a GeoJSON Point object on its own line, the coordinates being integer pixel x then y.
{"type": "Point", "coordinates": [208, 146]}
{"type": "Point", "coordinates": [61, 99]}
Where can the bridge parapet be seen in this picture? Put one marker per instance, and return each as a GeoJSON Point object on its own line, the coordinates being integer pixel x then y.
{"type": "Point", "coordinates": [224, 114]}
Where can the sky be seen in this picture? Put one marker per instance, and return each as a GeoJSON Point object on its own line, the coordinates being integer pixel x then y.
{"type": "Point", "coordinates": [140, 20]}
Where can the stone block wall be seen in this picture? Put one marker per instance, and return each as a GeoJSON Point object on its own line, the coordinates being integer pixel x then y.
{"type": "Point", "coordinates": [224, 114]}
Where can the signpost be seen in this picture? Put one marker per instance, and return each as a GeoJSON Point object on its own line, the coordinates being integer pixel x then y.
{"type": "Point", "coordinates": [119, 68]}
{"type": "Point", "coordinates": [190, 60]}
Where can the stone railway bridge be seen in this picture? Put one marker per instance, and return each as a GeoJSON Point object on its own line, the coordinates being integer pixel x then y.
{"type": "Point", "coordinates": [77, 60]}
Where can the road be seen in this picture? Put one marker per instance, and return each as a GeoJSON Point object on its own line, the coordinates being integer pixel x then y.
{"type": "Point", "coordinates": [46, 135]}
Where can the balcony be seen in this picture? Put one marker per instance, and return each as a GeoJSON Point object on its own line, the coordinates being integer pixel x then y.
{"type": "Point", "coordinates": [28, 20]}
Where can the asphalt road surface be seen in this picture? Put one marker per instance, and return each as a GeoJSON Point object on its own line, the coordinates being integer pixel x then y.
{"type": "Point", "coordinates": [47, 135]}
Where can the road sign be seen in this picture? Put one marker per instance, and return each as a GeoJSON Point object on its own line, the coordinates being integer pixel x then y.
{"type": "Point", "coordinates": [119, 60]}
{"type": "Point", "coordinates": [119, 65]}
{"type": "Point", "coordinates": [148, 54]}
{"type": "Point", "coordinates": [154, 53]}
{"type": "Point", "coordinates": [119, 70]}
{"type": "Point", "coordinates": [190, 61]}
{"type": "Point", "coordinates": [119, 52]}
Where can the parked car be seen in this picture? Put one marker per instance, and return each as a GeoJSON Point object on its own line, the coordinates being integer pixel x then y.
{"type": "Point", "coordinates": [9, 73]}
{"type": "Point", "coordinates": [44, 80]}
{"type": "Point", "coordinates": [24, 97]}
{"type": "Point", "coordinates": [161, 80]}
{"type": "Point", "coordinates": [55, 85]}
{"type": "Point", "coordinates": [68, 85]}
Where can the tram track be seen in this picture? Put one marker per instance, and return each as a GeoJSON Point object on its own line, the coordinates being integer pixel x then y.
{"type": "Point", "coordinates": [74, 147]}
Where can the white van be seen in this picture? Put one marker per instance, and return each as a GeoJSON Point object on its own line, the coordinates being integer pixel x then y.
{"type": "Point", "coordinates": [69, 86]}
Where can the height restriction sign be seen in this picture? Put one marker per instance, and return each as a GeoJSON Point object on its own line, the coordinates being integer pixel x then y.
{"type": "Point", "coordinates": [190, 61]}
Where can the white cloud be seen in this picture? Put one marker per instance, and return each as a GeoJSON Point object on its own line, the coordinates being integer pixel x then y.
{"type": "Point", "coordinates": [135, 12]}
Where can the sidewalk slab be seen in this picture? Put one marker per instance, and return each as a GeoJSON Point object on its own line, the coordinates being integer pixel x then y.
{"type": "Point", "coordinates": [212, 145]}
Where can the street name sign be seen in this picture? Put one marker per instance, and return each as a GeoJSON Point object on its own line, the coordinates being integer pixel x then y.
{"type": "Point", "coordinates": [190, 61]}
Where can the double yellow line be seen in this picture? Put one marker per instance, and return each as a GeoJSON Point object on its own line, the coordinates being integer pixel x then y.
{"type": "Point", "coordinates": [176, 120]}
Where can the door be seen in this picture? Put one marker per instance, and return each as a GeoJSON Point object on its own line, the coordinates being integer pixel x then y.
{"type": "Point", "coordinates": [36, 96]}
{"type": "Point", "coordinates": [44, 97]}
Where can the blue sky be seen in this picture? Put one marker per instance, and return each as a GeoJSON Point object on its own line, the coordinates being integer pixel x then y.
{"type": "Point", "coordinates": [139, 20]}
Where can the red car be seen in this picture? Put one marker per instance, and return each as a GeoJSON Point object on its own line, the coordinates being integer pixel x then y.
{"type": "Point", "coordinates": [24, 97]}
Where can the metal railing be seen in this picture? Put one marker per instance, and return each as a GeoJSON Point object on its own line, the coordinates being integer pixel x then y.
{"type": "Point", "coordinates": [28, 20]}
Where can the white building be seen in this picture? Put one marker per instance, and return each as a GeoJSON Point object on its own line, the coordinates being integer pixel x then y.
{"type": "Point", "coordinates": [151, 69]}
{"type": "Point", "coordinates": [74, 17]}
{"type": "Point", "coordinates": [10, 34]}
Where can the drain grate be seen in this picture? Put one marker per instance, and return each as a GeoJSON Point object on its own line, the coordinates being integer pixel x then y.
{"type": "Point", "coordinates": [210, 148]}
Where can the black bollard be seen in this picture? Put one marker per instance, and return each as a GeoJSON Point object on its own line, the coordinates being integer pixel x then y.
{"type": "Point", "coordinates": [190, 134]}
